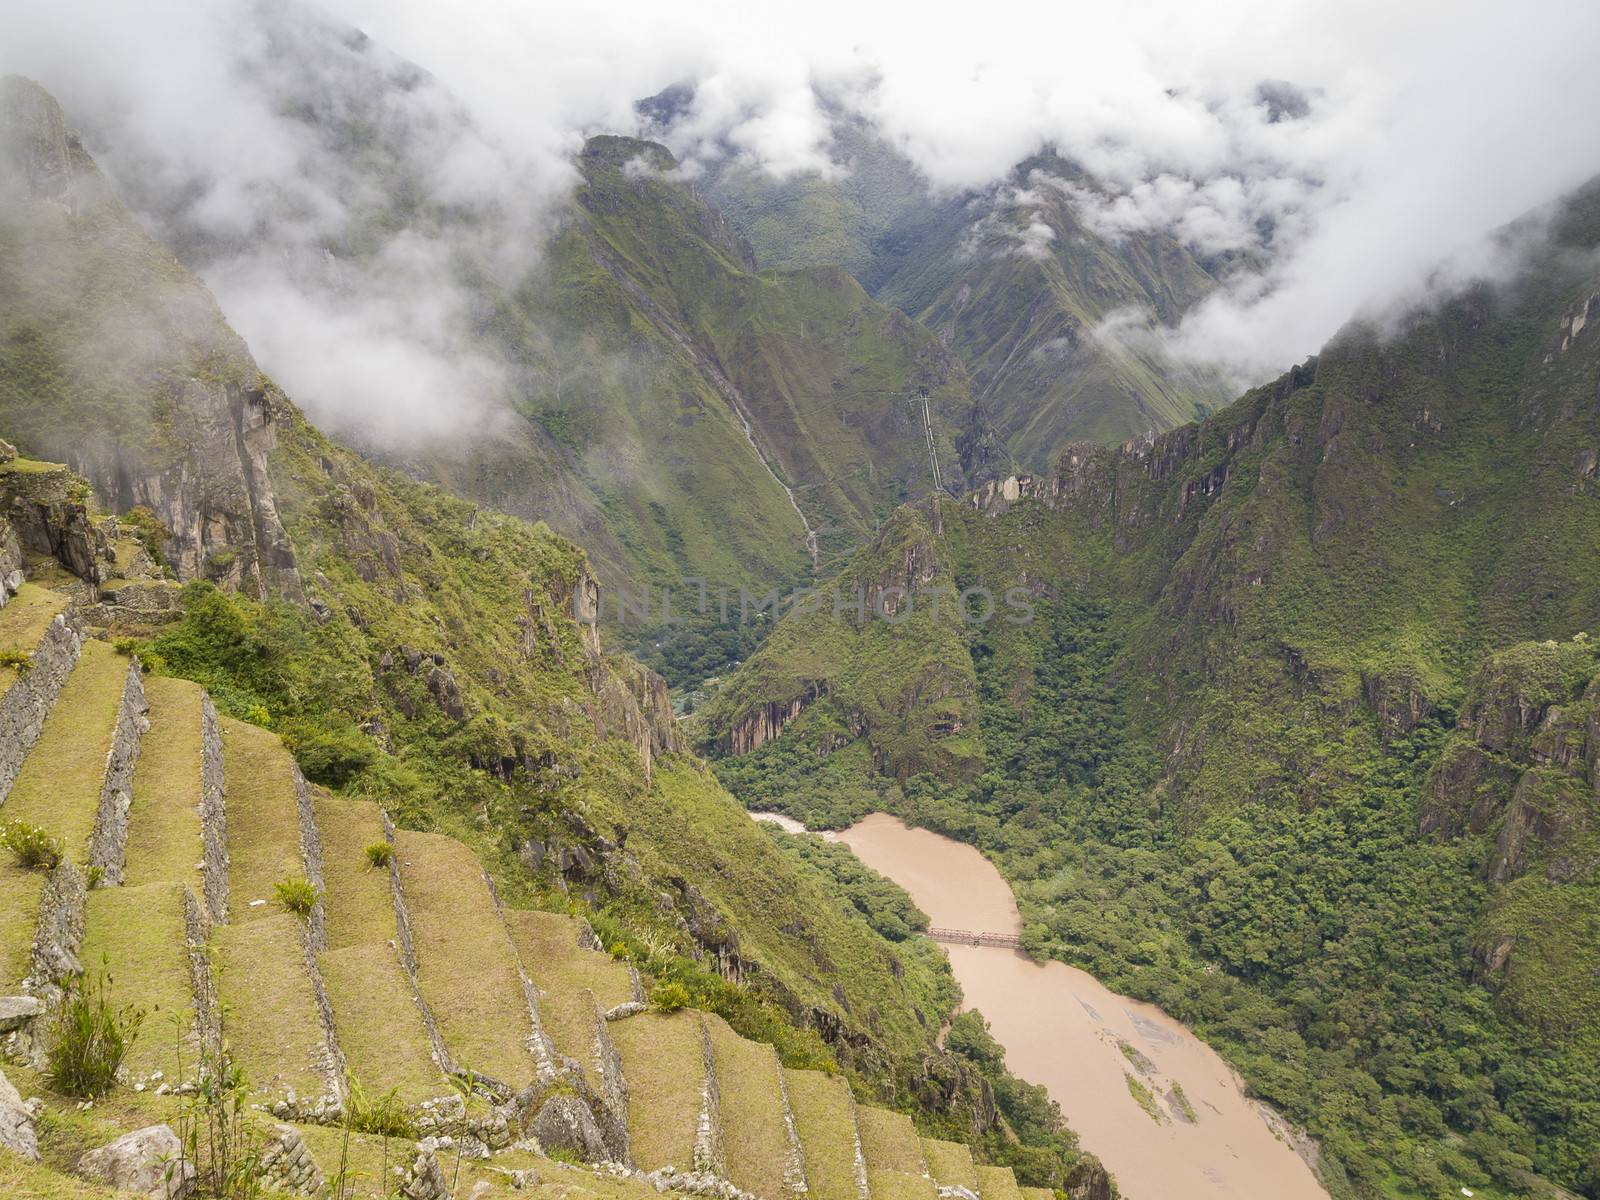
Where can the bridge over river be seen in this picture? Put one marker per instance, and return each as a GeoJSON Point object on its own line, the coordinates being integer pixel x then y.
{"type": "Point", "coordinates": [966, 937]}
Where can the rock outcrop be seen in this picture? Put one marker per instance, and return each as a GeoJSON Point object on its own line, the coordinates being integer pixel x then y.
{"type": "Point", "coordinates": [148, 1161]}
{"type": "Point", "coordinates": [17, 1133]}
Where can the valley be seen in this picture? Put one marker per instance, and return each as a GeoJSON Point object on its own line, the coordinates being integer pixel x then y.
{"type": "Point", "coordinates": [1158, 1106]}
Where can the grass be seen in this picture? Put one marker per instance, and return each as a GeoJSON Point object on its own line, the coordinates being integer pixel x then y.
{"type": "Point", "coordinates": [381, 1032]}
{"type": "Point", "coordinates": [900, 1185]}
{"type": "Point", "coordinates": [263, 825]}
{"type": "Point", "coordinates": [23, 623]}
{"type": "Point", "coordinates": [90, 1038]}
{"type": "Point", "coordinates": [359, 903]}
{"type": "Point", "coordinates": [998, 1183]}
{"type": "Point", "coordinates": [889, 1141]}
{"type": "Point", "coordinates": [39, 1181]}
{"type": "Point", "coordinates": [665, 1067]}
{"type": "Point", "coordinates": [950, 1164]}
{"type": "Point", "coordinates": [571, 980]}
{"type": "Point", "coordinates": [138, 933]}
{"type": "Point", "coordinates": [164, 828]}
{"type": "Point", "coordinates": [821, 1107]}
{"type": "Point", "coordinates": [1143, 1098]}
{"type": "Point", "coordinates": [20, 890]}
{"type": "Point", "coordinates": [270, 1014]}
{"type": "Point", "coordinates": [296, 894]}
{"type": "Point", "coordinates": [31, 848]}
{"type": "Point", "coordinates": [465, 964]}
{"type": "Point", "coordinates": [58, 787]}
{"type": "Point", "coordinates": [753, 1129]}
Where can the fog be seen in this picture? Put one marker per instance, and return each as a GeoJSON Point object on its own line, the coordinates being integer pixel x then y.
{"type": "Point", "coordinates": [1342, 150]}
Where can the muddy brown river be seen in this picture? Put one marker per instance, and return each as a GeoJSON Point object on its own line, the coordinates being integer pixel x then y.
{"type": "Point", "coordinates": [1063, 1029]}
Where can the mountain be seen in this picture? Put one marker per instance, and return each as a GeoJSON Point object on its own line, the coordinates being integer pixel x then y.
{"type": "Point", "coordinates": [1011, 277]}
{"type": "Point", "coordinates": [1285, 724]}
{"type": "Point", "coordinates": [647, 390]}
{"type": "Point", "coordinates": [246, 668]}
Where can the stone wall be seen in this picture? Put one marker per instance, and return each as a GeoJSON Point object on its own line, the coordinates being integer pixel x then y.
{"type": "Point", "coordinates": [613, 1089]}
{"type": "Point", "coordinates": [57, 941]}
{"type": "Point", "coordinates": [202, 984]}
{"type": "Point", "coordinates": [546, 1068]}
{"type": "Point", "coordinates": [794, 1159]}
{"type": "Point", "coordinates": [314, 938]}
{"type": "Point", "coordinates": [108, 844]}
{"type": "Point", "coordinates": [28, 701]}
{"type": "Point", "coordinates": [408, 958]}
{"type": "Point", "coordinates": [709, 1152]}
{"type": "Point", "coordinates": [286, 1164]}
{"type": "Point", "coordinates": [213, 815]}
{"type": "Point", "coordinates": [863, 1190]}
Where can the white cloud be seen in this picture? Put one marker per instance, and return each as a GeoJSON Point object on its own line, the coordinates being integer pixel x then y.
{"type": "Point", "coordinates": [1424, 125]}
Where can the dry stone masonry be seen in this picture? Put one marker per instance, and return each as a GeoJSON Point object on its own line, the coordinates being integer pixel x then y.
{"type": "Point", "coordinates": [108, 844]}
{"type": "Point", "coordinates": [710, 1154]}
{"type": "Point", "coordinates": [28, 701]}
{"type": "Point", "coordinates": [287, 1165]}
{"type": "Point", "coordinates": [213, 815]}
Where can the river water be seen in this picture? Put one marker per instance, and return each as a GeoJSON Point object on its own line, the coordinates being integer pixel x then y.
{"type": "Point", "coordinates": [1063, 1029]}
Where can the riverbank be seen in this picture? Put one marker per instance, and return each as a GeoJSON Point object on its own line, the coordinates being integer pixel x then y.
{"type": "Point", "coordinates": [1162, 1111]}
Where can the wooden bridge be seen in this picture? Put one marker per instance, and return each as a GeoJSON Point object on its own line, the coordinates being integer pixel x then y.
{"type": "Point", "coordinates": [966, 937]}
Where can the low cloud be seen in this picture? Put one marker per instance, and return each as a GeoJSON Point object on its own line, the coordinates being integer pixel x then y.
{"type": "Point", "coordinates": [1331, 154]}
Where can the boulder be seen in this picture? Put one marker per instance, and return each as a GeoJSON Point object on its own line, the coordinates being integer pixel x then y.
{"type": "Point", "coordinates": [18, 1011]}
{"type": "Point", "coordinates": [16, 1123]}
{"type": "Point", "coordinates": [147, 1162]}
{"type": "Point", "coordinates": [8, 452]}
{"type": "Point", "coordinates": [566, 1123]}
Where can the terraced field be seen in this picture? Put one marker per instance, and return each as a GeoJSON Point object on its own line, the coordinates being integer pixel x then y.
{"type": "Point", "coordinates": [309, 1001]}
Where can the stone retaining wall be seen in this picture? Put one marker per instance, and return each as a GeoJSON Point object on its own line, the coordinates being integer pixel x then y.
{"type": "Point", "coordinates": [108, 844]}
{"type": "Point", "coordinates": [314, 939]}
{"type": "Point", "coordinates": [27, 702]}
{"type": "Point", "coordinates": [202, 984]}
{"type": "Point", "coordinates": [794, 1159]}
{"type": "Point", "coordinates": [286, 1164]}
{"type": "Point", "coordinates": [863, 1189]}
{"type": "Point", "coordinates": [408, 957]}
{"type": "Point", "coordinates": [57, 941]}
{"type": "Point", "coordinates": [613, 1089]}
{"type": "Point", "coordinates": [709, 1153]}
{"type": "Point", "coordinates": [546, 1066]}
{"type": "Point", "coordinates": [213, 815]}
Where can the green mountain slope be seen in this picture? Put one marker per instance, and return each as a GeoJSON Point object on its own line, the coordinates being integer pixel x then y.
{"type": "Point", "coordinates": [695, 389]}
{"type": "Point", "coordinates": [1011, 278]}
{"type": "Point", "coordinates": [1242, 759]}
{"type": "Point", "coordinates": [410, 650]}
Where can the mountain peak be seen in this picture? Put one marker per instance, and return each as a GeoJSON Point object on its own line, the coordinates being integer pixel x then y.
{"type": "Point", "coordinates": [617, 152]}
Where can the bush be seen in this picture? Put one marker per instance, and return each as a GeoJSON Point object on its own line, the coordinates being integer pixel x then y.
{"type": "Point", "coordinates": [90, 1040]}
{"type": "Point", "coordinates": [380, 854]}
{"type": "Point", "coordinates": [35, 850]}
{"type": "Point", "coordinates": [19, 661]}
{"type": "Point", "coordinates": [297, 894]}
{"type": "Point", "coordinates": [382, 1116]}
{"type": "Point", "coordinates": [669, 996]}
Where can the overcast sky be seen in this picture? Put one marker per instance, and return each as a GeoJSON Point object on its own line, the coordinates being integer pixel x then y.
{"type": "Point", "coordinates": [1426, 125]}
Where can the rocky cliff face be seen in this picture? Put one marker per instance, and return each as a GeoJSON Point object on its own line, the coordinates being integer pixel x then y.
{"type": "Point", "coordinates": [118, 363]}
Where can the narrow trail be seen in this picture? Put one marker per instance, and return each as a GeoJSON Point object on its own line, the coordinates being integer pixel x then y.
{"type": "Point", "coordinates": [714, 372]}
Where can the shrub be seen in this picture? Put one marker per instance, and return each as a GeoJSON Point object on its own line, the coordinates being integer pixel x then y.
{"type": "Point", "coordinates": [618, 951]}
{"type": "Point", "coordinates": [18, 660]}
{"type": "Point", "coordinates": [35, 850]}
{"type": "Point", "coordinates": [380, 854]}
{"type": "Point", "coordinates": [382, 1116]}
{"type": "Point", "coordinates": [669, 996]}
{"type": "Point", "coordinates": [297, 894]}
{"type": "Point", "coordinates": [90, 1040]}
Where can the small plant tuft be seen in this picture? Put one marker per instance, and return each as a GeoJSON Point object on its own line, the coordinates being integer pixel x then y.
{"type": "Point", "coordinates": [669, 996]}
{"type": "Point", "coordinates": [297, 894]}
{"type": "Point", "coordinates": [18, 660]}
{"type": "Point", "coordinates": [34, 849]}
{"type": "Point", "coordinates": [90, 1039]}
{"type": "Point", "coordinates": [381, 1116]}
{"type": "Point", "coordinates": [380, 854]}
